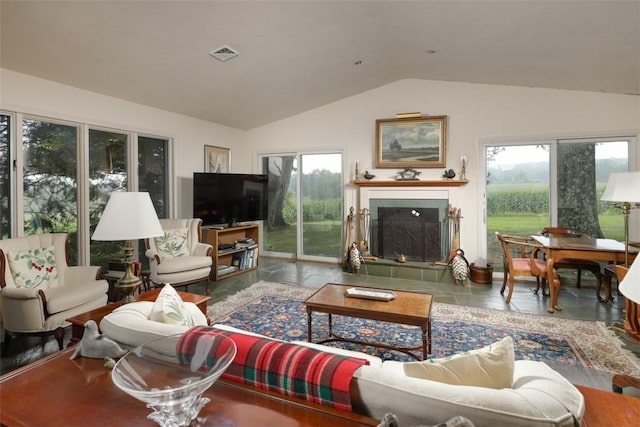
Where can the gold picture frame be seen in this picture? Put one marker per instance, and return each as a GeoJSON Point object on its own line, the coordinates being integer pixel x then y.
{"type": "Point", "coordinates": [217, 159]}
{"type": "Point", "coordinates": [414, 142]}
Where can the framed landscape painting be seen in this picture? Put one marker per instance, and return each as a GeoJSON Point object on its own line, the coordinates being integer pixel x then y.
{"type": "Point", "coordinates": [416, 142]}
{"type": "Point", "coordinates": [217, 159]}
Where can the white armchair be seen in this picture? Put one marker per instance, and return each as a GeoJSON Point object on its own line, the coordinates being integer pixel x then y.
{"type": "Point", "coordinates": [39, 290]}
{"type": "Point", "coordinates": [178, 257]}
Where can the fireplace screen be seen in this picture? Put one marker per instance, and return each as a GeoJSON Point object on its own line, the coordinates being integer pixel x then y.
{"type": "Point", "coordinates": [413, 232]}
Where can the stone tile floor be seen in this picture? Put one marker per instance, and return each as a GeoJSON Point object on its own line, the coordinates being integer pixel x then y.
{"type": "Point", "coordinates": [578, 303]}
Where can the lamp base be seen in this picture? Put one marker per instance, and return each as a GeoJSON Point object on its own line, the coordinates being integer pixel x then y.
{"type": "Point", "coordinates": [128, 284]}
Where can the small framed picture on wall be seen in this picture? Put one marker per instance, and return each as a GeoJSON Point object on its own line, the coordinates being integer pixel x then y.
{"type": "Point", "coordinates": [217, 159]}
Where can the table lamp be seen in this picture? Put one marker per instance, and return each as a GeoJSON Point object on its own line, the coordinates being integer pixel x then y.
{"type": "Point", "coordinates": [128, 216]}
{"type": "Point", "coordinates": [623, 189]}
{"type": "Point", "coordinates": [629, 286]}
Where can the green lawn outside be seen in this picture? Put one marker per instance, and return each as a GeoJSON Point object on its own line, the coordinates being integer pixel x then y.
{"type": "Point", "coordinates": [323, 238]}
{"type": "Point", "coordinates": [525, 225]}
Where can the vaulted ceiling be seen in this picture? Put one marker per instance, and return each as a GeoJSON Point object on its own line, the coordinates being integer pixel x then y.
{"type": "Point", "coordinates": [298, 55]}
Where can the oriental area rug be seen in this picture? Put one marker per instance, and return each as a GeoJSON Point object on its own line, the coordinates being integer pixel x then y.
{"type": "Point", "coordinates": [277, 310]}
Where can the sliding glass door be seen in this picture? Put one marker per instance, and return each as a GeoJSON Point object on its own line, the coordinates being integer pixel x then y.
{"type": "Point", "coordinates": [305, 205]}
{"type": "Point", "coordinates": [553, 183]}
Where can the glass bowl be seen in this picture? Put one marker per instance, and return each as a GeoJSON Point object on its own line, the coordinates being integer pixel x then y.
{"type": "Point", "coordinates": [170, 374]}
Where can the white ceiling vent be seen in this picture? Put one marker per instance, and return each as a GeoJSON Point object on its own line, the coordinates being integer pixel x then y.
{"type": "Point", "coordinates": [224, 53]}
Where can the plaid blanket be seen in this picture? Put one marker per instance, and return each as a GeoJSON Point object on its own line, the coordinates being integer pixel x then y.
{"type": "Point", "coordinates": [289, 369]}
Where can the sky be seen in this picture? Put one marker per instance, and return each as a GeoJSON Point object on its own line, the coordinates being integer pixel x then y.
{"type": "Point", "coordinates": [532, 153]}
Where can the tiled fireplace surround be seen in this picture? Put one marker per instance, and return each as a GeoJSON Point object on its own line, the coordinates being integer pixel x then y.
{"type": "Point", "coordinates": [417, 226]}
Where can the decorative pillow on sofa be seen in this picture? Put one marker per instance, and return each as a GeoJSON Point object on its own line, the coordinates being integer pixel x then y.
{"type": "Point", "coordinates": [491, 366]}
{"type": "Point", "coordinates": [34, 268]}
{"type": "Point", "coordinates": [173, 243]}
{"type": "Point", "coordinates": [169, 308]}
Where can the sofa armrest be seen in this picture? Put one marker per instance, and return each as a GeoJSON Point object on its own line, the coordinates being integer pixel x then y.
{"type": "Point", "coordinates": [23, 309]}
{"type": "Point", "coordinates": [81, 273]}
{"type": "Point", "coordinates": [202, 249]}
{"type": "Point", "coordinates": [153, 255]}
{"type": "Point", "coordinates": [539, 396]}
{"type": "Point", "coordinates": [20, 293]}
{"type": "Point", "coordinates": [130, 325]}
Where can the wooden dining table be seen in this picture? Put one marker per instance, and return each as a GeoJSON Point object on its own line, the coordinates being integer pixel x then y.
{"type": "Point", "coordinates": [578, 246]}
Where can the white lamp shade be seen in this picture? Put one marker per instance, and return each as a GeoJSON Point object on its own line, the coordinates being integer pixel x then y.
{"type": "Point", "coordinates": [630, 285]}
{"type": "Point", "coordinates": [128, 216]}
{"type": "Point", "coordinates": [622, 187]}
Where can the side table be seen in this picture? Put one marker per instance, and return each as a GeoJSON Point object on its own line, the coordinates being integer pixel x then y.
{"type": "Point", "coordinates": [112, 280]}
{"type": "Point", "coordinates": [77, 322]}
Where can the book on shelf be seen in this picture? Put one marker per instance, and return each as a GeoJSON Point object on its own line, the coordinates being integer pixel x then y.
{"type": "Point", "coordinates": [226, 269]}
{"type": "Point", "coordinates": [226, 250]}
{"type": "Point", "coordinates": [245, 259]}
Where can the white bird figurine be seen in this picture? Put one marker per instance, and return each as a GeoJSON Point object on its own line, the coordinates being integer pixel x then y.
{"type": "Point", "coordinates": [355, 260]}
{"type": "Point", "coordinates": [95, 345]}
{"type": "Point", "coordinates": [459, 267]}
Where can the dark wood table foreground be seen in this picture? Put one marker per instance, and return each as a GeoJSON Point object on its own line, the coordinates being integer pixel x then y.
{"type": "Point", "coordinates": [57, 391]}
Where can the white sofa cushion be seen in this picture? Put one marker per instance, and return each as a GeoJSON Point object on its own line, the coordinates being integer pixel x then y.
{"type": "Point", "coordinates": [130, 324]}
{"type": "Point", "coordinates": [490, 366]}
{"type": "Point", "coordinates": [539, 397]}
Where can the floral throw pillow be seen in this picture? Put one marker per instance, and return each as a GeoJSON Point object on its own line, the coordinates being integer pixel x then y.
{"type": "Point", "coordinates": [173, 243]}
{"type": "Point", "coordinates": [34, 268]}
{"type": "Point", "coordinates": [169, 308]}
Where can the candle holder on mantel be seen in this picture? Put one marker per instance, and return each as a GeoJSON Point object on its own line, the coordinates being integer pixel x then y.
{"type": "Point", "coordinates": [463, 173]}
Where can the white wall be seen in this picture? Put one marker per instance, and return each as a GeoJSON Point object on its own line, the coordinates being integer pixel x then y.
{"type": "Point", "coordinates": [26, 94]}
{"type": "Point", "coordinates": [476, 113]}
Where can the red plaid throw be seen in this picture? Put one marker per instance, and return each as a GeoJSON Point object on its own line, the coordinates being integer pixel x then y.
{"type": "Point", "coordinates": [289, 369]}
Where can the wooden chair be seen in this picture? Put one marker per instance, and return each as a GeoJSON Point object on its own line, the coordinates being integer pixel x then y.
{"type": "Point", "coordinates": [524, 263]}
{"type": "Point", "coordinates": [574, 264]}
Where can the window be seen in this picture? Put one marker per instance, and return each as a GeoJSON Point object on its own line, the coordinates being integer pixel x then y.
{"type": "Point", "coordinates": [49, 180]}
{"type": "Point", "coordinates": [6, 123]}
{"type": "Point", "coordinates": [552, 183]}
{"type": "Point", "coordinates": [107, 173]}
{"type": "Point", "coordinates": [63, 173]}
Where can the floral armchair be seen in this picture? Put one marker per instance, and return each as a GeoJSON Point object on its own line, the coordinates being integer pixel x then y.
{"type": "Point", "coordinates": [178, 257]}
{"type": "Point", "coordinates": [39, 290]}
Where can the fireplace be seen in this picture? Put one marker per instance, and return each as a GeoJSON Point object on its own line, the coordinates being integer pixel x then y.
{"type": "Point", "coordinates": [417, 229]}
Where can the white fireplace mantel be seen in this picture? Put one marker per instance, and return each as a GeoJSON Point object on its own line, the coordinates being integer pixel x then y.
{"type": "Point", "coordinates": [411, 183]}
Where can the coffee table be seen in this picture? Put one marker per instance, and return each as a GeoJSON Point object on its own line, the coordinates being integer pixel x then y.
{"type": "Point", "coordinates": [408, 308]}
{"type": "Point", "coordinates": [58, 391]}
{"type": "Point", "coordinates": [77, 322]}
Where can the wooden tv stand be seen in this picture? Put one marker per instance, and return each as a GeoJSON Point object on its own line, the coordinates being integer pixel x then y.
{"type": "Point", "coordinates": [246, 259]}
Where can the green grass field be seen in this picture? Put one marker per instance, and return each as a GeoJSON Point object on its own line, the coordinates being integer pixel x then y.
{"type": "Point", "coordinates": [525, 225]}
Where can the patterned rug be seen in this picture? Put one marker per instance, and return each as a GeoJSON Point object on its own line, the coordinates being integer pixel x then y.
{"type": "Point", "coordinates": [277, 310]}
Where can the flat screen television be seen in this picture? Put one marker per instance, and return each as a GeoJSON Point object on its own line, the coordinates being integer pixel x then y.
{"type": "Point", "coordinates": [229, 198]}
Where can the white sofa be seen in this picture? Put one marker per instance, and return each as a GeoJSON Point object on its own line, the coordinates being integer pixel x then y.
{"type": "Point", "coordinates": [539, 396]}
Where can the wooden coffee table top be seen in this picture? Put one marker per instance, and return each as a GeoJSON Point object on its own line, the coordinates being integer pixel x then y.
{"type": "Point", "coordinates": [409, 308]}
{"type": "Point", "coordinates": [79, 392]}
